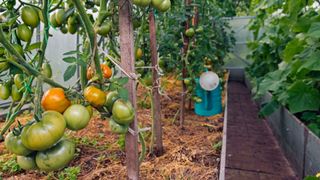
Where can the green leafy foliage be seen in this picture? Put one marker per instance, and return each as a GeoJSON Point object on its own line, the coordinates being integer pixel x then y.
{"type": "Point", "coordinates": [70, 173]}
{"type": "Point", "coordinates": [285, 56]}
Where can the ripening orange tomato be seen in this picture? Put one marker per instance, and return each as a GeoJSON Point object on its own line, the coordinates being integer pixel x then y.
{"type": "Point", "coordinates": [55, 99]}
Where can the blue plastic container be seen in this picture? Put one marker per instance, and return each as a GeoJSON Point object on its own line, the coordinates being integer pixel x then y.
{"type": "Point", "coordinates": [211, 101]}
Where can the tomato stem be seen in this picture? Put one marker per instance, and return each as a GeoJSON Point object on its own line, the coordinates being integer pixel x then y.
{"type": "Point", "coordinates": [91, 35]}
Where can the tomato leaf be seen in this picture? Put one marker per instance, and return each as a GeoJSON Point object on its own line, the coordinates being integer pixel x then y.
{"type": "Point", "coordinates": [123, 93]}
{"type": "Point", "coordinates": [122, 81]}
{"type": "Point", "coordinates": [71, 70]}
{"type": "Point", "coordinates": [303, 97]}
{"type": "Point", "coordinates": [69, 59]}
{"type": "Point", "coordinates": [71, 52]}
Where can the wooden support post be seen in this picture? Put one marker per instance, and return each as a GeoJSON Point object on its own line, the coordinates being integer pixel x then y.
{"type": "Point", "coordinates": [157, 126]}
{"type": "Point", "coordinates": [184, 71]}
{"type": "Point", "coordinates": [127, 63]}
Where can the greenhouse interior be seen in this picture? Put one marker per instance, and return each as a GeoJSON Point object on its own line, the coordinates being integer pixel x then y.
{"type": "Point", "coordinates": [160, 89]}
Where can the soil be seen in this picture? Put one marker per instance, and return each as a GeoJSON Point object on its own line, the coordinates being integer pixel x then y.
{"type": "Point", "coordinates": [191, 153]}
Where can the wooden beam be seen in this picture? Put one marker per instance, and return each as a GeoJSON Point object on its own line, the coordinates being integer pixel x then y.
{"type": "Point", "coordinates": [157, 126]}
{"type": "Point", "coordinates": [127, 63]}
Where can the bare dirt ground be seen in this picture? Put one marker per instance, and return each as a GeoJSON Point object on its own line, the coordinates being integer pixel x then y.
{"type": "Point", "coordinates": [192, 153]}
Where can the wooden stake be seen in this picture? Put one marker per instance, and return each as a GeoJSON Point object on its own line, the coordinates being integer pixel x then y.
{"type": "Point", "coordinates": [157, 126]}
{"type": "Point", "coordinates": [127, 63]}
{"type": "Point", "coordinates": [184, 72]}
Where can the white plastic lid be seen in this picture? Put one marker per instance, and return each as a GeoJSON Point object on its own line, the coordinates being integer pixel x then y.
{"type": "Point", "coordinates": [209, 80]}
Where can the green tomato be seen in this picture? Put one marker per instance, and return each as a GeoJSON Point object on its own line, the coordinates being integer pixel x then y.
{"type": "Point", "coordinates": [45, 133]}
{"type": "Point", "coordinates": [27, 162]}
{"type": "Point", "coordinates": [59, 16]}
{"type": "Point", "coordinates": [122, 112]}
{"type": "Point", "coordinates": [190, 32]}
{"type": "Point", "coordinates": [64, 29]}
{"type": "Point", "coordinates": [15, 94]}
{"type": "Point", "coordinates": [30, 16]}
{"type": "Point", "coordinates": [187, 81]}
{"type": "Point", "coordinates": [117, 128]}
{"type": "Point", "coordinates": [72, 28]}
{"type": "Point", "coordinates": [104, 29]}
{"type": "Point", "coordinates": [165, 6]}
{"type": "Point", "coordinates": [111, 97]}
{"type": "Point", "coordinates": [24, 33]}
{"type": "Point", "coordinates": [4, 91]}
{"type": "Point", "coordinates": [199, 29]}
{"type": "Point", "coordinates": [14, 145]}
{"type": "Point", "coordinates": [18, 80]}
{"type": "Point", "coordinates": [77, 117]}
{"type": "Point", "coordinates": [4, 65]}
{"type": "Point", "coordinates": [53, 20]}
{"type": "Point", "coordinates": [46, 70]}
{"type": "Point", "coordinates": [56, 157]}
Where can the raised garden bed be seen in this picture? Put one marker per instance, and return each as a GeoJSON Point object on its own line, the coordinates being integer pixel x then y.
{"type": "Point", "coordinates": [301, 146]}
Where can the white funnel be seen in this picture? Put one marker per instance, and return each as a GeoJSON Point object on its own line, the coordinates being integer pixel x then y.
{"type": "Point", "coordinates": [209, 80]}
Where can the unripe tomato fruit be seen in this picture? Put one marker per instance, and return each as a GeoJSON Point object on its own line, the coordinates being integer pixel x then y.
{"type": "Point", "coordinates": [4, 91]}
{"type": "Point", "coordinates": [59, 16]}
{"type": "Point", "coordinates": [55, 99]}
{"type": "Point", "coordinates": [187, 81]}
{"type": "Point", "coordinates": [45, 133]}
{"type": "Point", "coordinates": [122, 112]}
{"type": "Point", "coordinates": [14, 145]}
{"type": "Point", "coordinates": [57, 156]}
{"type": "Point", "coordinates": [30, 16]}
{"type": "Point", "coordinates": [90, 110]}
{"type": "Point", "coordinates": [24, 33]}
{"type": "Point", "coordinates": [189, 32]}
{"type": "Point", "coordinates": [72, 28]}
{"type": "Point", "coordinates": [15, 94]}
{"type": "Point", "coordinates": [77, 117]}
{"type": "Point", "coordinates": [53, 20]}
{"type": "Point", "coordinates": [46, 70]}
{"type": "Point", "coordinates": [27, 162]}
{"type": "Point", "coordinates": [111, 97]}
{"type": "Point", "coordinates": [4, 65]}
{"type": "Point", "coordinates": [104, 29]}
{"type": "Point", "coordinates": [94, 96]}
{"type": "Point", "coordinates": [117, 128]}
{"type": "Point", "coordinates": [139, 53]}
{"type": "Point", "coordinates": [18, 80]}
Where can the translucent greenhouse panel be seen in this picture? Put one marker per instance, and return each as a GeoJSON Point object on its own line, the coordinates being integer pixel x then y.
{"type": "Point", "coordinates": [237, 57]}
{"type": "Point", "coordinates": [57, 46]}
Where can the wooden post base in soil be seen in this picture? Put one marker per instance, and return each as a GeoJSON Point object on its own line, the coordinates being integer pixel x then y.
{"type": "Point", "coordinates": [127, 63]}
{"type": "Point", "coordinates": [157, 126]}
